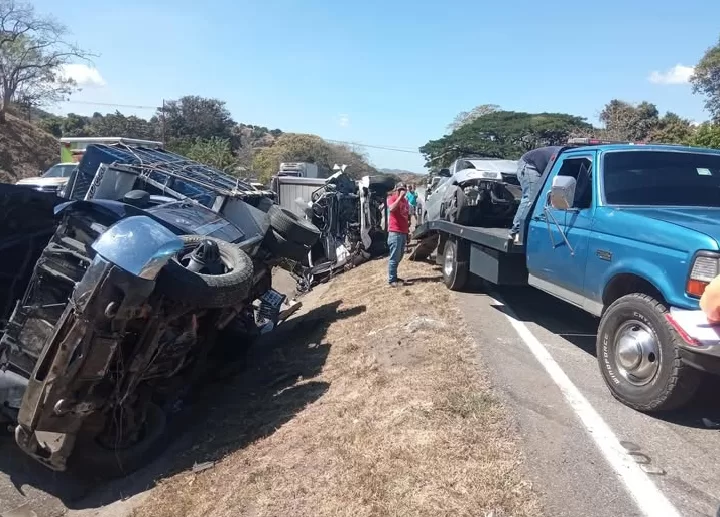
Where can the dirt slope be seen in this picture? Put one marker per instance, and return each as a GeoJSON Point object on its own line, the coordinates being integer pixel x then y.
{"type": "Point", "coordinates": [25, 150]}
{"type": "Point", "coordinates": [371, 404]}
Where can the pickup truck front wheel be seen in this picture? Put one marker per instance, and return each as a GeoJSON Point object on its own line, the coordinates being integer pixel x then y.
{"type": "Point", "coordinates": [639, 358]}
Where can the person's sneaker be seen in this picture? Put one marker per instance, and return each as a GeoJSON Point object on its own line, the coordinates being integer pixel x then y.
{"type": "Point", "coordinates": [392, 284]}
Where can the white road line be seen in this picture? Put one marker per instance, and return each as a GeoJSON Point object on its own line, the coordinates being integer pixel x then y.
{"type": "Point", "coordinates": [650, 500]}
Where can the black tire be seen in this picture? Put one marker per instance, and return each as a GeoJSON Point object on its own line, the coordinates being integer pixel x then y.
{"type": "Point", "coordinates": [458, 213]}
{"type": "Point", "coordinates": [281, 247]}
{"type": "Point", "coordinates": [201, 290]}
{"type": "Point", "coordinates": [673, 384]}
{"type": "Point", "coordinates": [92, 458]}
{"type": "Point", "coordinates": [455, 266]}
{"type": "Point", "coordinates": [381, 183]}
{"type": "Point", "coordinates": [290, 226]}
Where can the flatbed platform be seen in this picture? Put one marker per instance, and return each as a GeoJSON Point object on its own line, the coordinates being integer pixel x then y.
{"type": "Point", "coordinates": [495, 238]}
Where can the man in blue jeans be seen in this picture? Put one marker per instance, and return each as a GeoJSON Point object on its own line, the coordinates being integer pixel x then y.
{"type": "Point", "coordinates": [398, 229]}
{"type": "Point", "coordinates": [531, 166]}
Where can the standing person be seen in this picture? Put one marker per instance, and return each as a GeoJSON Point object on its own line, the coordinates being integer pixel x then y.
{"type": "Point", "coordinates": [412, 200]}
{"type": "Point", "coordinates": [398, 229]}
{"type": "Point", "coordinates": [531, 166]}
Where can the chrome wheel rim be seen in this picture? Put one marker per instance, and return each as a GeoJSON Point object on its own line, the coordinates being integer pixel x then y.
{"type": "Point", "coordinates": [637, 354]}
{"type": "Point", "coordinates": [449, 259]}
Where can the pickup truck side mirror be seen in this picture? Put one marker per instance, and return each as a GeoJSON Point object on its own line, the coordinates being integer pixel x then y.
{"type": "Point", "coordinates": [562, 192]}
{"type": "Point", "coordinates": [444, 173]}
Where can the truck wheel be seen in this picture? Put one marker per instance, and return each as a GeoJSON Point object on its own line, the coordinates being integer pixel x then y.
{"type": "Point", "coordinates": [204, 289]}
{"type": "Point", "coordinates": [455, 266]}
{"type": "Point", "coordinates": [382, 183]}
{"type": "Point", "coordinates": [639, 357]}
{"type": "Point", "coordinates": [456, 211]}
{"type": "Point", "coordinates": [290, 226]}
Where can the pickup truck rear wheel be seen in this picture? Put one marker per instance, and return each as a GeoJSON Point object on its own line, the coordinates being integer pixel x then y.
{"type": "Point", "coordinates": [639, 358]}
{"type": "Point", "coordinates": [455, 265]}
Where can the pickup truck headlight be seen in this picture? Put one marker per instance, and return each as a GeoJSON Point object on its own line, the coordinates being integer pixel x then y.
{"type": "Point", "coordinates": [705, 268]}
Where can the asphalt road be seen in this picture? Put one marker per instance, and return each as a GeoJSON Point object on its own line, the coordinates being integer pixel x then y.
{"type": "Point", "coordinates": [563, 430]}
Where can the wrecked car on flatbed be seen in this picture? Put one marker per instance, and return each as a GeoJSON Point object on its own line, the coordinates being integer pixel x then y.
{"type": "Point", "coordinates": [156, 269]}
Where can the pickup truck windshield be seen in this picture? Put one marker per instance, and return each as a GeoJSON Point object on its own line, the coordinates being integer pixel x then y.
{"type": "Point", "coordinates": [661, 178]}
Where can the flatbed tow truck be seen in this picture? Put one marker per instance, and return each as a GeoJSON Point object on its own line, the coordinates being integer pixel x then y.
{"type": "Point", "coordinates": [627, 232]}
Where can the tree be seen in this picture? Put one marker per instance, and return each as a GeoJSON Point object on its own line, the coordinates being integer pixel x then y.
{"type": "Point", "coordinates": [52, 125]}
{"type": "Point", "coordinates": [192, 117]}
{"type": "Point", "coordinates": [215, 152]}
{"type": "Point", "coordinates": [504, 134]}
{"type": "Point", "coordinates": [75, 125]}
{"type": "Point", "coordinates": [33, 50]}
{"type": "Point", "coordinates": [627, 122]}
{"type": "Point", "coordinates": [292, 147]}
{"type": "Point", "coordinates": [672, 129]}
{"type": "Point", "coordinates": [117, 124]}
{"type": "Point", "coordinates": [706, 135]}
{"type": "Point", "coordinates": [466, 117]}
{"type": "Point", "coordinates": [706, 80]}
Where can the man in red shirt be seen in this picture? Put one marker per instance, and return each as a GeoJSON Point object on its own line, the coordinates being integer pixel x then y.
{"type": "Point", "coordinates": [398, 229]}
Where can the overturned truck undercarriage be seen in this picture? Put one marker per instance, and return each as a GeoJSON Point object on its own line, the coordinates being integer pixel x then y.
{"type": "Point", "coordinates": [114, 311]}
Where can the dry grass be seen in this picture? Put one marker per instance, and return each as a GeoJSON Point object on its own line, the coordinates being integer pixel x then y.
{"type": "Point", "coordinates": [405, 424]}
{"type": "Point", "coordinates": [25, 150]}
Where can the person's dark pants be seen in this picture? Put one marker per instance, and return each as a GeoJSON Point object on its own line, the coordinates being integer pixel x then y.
{"type": "Point", "coordinates": [396, 242]}
{"type": "Point", "coordinates": [528, 177]}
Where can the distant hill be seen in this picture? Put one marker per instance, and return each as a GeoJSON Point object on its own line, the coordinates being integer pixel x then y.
{"type": "Point", "coordinates": [25, 150]}
{"type": "Point", "coordinates": [406, 176]}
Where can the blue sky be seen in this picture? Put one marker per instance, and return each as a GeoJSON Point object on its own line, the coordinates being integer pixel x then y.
{"type": "Point", "coordinates": [389, 73]}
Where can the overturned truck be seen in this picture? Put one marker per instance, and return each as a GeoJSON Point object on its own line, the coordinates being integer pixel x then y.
{"type": "Point", "coordinates": [351, 217]}
{"type": "Point", "coordinates": [117, 303]}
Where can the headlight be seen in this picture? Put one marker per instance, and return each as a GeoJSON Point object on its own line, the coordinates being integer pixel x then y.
{"type": "Point", "coordinates": [705, 268]}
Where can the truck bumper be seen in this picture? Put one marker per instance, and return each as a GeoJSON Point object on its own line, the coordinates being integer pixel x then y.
{"type": "Point", "coordinates": [699, 340]}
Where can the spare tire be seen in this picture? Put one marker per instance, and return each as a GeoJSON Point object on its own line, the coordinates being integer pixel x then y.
{"type": "Point", "coordinates": [381, 183]}
{"type": "Point", "coordinates": [293, 228]}
{"type": "Point", "coordinates": [203, 290]}
{"type": "Point", "coordinates": [284, 248]}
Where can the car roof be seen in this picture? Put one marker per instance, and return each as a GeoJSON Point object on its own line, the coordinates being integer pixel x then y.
{"type": "Point", "coordinates": [643, 147]}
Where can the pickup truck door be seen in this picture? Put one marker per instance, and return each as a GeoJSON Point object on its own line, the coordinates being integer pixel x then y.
{"type": "Point", "coordinates": [557, 241]}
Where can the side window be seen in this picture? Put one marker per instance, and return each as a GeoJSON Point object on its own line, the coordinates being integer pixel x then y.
{"type": "Point", "coordinates": [581, 170]}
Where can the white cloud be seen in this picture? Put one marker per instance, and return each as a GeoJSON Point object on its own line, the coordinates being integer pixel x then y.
{"type": "Point", "coordinates": [679, 74]}
{"type": "Point", "coordinates": [344, 120]}
{"type": "Point", "coordinates": [83, 75]}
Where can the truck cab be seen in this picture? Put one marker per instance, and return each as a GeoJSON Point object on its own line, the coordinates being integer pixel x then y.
{"type": "Point", "coordinates": [630, 233]}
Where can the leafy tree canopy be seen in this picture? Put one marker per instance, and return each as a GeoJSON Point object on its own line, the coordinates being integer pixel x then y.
{"type": "Point", "coordinates": [504, 134]}
{"type": "Point", "coordinates": [706, 80]}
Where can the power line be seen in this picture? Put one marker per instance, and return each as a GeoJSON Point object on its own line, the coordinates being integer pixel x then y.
{"type": "Point", "coordinates": [386, 148]}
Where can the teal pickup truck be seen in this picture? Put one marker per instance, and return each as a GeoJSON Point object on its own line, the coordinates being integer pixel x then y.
{"type": "Point", "coordinates": [631, 234]}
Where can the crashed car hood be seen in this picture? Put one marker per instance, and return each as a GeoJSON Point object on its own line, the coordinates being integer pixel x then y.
{"type": "Point", "coordinates": [496, 168]}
